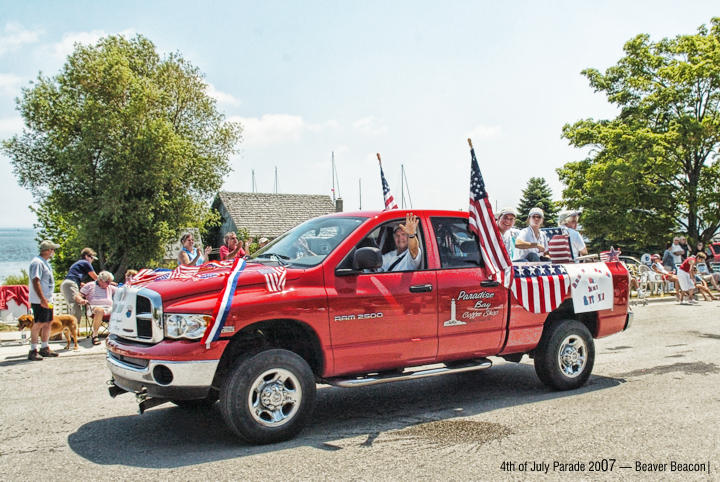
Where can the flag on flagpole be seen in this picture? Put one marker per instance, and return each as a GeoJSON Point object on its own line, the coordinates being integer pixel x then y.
{"type": "Point", "coordinates": [482, 222]}
{"type": "Point", "coordinates": [224, 302]}
{"type": "Point", "coordinates": [387, 195]}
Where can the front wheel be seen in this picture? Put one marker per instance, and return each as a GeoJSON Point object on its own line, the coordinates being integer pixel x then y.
{"type": "Point", "coordinates": [565, 356]}
{"type": "Point", "coordinates": [268, 397]}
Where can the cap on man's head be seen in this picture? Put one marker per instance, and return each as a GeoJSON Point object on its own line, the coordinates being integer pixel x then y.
{"type": "Point", "coordinates": [655, 256]}
{"type": "Point", "coordinates": [47, 245]}
{"type": "Point", "coordinates": [505, 211]}
{"type": "Point", "coordinates": [88, 252]}
{"type": "Point", "coordinates": [534, 211]}
{"type": "Point", "coordinates": [263, 240]}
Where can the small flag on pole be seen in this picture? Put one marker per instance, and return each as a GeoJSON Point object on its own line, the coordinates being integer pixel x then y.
{"type": "Point", "coordinates": [387, 195]}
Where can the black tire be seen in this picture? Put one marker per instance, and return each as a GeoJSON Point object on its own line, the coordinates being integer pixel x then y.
{"type": "Point", "coordinates": [565, 356]}
{"type": "Point", "coordinates": [268, 397]}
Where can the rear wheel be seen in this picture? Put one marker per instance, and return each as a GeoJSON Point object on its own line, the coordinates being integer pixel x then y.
{"type": "Point", "coordinates": [565, 355]}
{"type": "Point", "coordinates": [269, 396]}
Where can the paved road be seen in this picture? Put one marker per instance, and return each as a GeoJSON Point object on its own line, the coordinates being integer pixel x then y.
{"type": "Point", "coordinates": [653, 399]}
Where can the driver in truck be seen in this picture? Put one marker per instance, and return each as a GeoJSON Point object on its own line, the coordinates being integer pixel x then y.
{"type": "Point", "coordinates": [407, 256]}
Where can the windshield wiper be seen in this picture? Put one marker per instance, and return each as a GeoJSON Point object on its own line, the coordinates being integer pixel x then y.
{"type": "Point", "coordinates": [275, 257]}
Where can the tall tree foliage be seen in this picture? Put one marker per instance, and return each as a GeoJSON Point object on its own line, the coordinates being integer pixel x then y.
{"type": "Point", "coordinates": [121, 148]}
{"type": "Point", "coordinates": [654, 168]}
{"type": "Point", "coordinates": [536, 194]}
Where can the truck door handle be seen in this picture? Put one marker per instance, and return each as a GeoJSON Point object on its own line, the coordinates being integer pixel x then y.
{"type": "Point", "coordinates": [489, 283]}
{"type": "Point", "coordinates": [421, 288]}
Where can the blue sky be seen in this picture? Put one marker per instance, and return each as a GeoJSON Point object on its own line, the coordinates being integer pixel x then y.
{"type": "Point", "coordinates": [411, 80]}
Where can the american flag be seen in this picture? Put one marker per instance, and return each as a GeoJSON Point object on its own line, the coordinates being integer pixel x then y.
{"type": "Point", "coordinates": [224, 302]}
{"type": "Point", "coordinates": [146, 275]}
{"type": "Point", "coordinates": [184, 272]}
{"type": "Point", "coordinates": [389, 200]}
{"type": "Point", "coordinates": [275, 278]}
{"type": "Point", "coordinates": [540, 288]}
{"type": "Point", "coordinates": [483, 224]}
{"type": "Point", "coordinates": [611, 255]}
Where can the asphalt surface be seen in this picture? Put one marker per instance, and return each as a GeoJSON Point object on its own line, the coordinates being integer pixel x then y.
{"type": "Point", "coordinates": [653, 399]}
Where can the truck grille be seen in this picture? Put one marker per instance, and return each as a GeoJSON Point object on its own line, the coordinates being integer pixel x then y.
{"type": "Point", "coordinates": [137, 315]}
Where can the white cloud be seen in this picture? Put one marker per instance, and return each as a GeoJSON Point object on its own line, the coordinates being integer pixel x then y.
{"type": "Point", "coordinates": [370, 125]}
{"type": "Point", "coordinates": [484, 132]}
{"type": "Point", "coordinates": [221, 97]}
{"type": "Point", "coordinates": [10, 84]}
{"type": "Point", "coordinates": [10, 126]}
{"type": "Point", "coordinates": [65, 47]}
{"type": "Point", "coordinates": [277, 128]}
{"type": "Point", "coordinates": [15, 36]}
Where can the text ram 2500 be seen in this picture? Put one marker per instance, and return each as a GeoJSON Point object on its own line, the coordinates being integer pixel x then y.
{"type": "Point", "coordinates": [311, 307]}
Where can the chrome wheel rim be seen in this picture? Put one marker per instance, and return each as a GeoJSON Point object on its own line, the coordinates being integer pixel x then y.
{"type": "Point", "coordinates": [274, 397]}
{"type": "Point", "coordinates": [572, 356]}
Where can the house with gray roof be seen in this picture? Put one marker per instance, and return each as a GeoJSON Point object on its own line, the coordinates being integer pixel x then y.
{"type": "Point", "coordinates": [269, 215]}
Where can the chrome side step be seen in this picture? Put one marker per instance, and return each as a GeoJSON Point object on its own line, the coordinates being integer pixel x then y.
{"type": "Point", "coordinates": [469, 366]}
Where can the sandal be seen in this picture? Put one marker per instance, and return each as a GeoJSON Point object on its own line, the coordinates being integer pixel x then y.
{"type": "Point", "coordinates": [95, 340]}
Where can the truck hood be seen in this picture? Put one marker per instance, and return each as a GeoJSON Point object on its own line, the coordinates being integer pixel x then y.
{"type": "Point", "coordinates": [214, 280]}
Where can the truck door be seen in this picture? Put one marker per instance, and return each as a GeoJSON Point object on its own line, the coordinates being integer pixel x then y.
{"type": "Point", "coordinates": [383, 320]}
{"type": "Point", "coordinates": [471, 308]}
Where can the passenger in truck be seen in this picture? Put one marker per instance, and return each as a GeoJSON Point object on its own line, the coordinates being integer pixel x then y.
{"type": "Point", "coordinates": [407, 255]}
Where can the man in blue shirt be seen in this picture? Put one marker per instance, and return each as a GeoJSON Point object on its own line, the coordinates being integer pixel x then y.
{"type": "Point", "coordinates": [70, 286]}
{"type": "Point", "coordinates": [41, 287]}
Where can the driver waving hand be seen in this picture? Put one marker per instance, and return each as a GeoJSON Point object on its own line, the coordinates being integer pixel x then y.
{"type": "Point", "coordinates": [407, 255]}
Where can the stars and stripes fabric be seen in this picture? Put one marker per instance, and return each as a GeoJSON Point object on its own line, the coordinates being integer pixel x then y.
{"type": "Point", "coordinates": [387, 195]}
{"type": "Point", "coordinates": [540, 288]}
{"type": "Point", "coordinates": [559, 249]}
{"type": "Point", "coordinates": [146, 275]}
{"type": "Point", "coordinates": [184, 272]}
{"type": "Point", "coordinates": [482, 222]}
{"type": "Point", "coordinates": [275, 278]}
{"type": "Point", "coordinates": [224, 302]}
{"type": "Point", "coordinates": [611, 255]}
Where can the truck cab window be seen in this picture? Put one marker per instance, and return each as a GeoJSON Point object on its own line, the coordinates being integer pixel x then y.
{"type": "Point", "coordinates": [457, 245]}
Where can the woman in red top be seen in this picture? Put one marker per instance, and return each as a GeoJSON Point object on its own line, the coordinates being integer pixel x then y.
{"type": "Point", "coordinates": [232, 247]}
{"type": "Point", "coordinates": [685, 278]}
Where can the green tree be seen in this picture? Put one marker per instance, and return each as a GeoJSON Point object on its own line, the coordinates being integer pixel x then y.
{"type": "Point", "coordinates": [653, 169]}
{"type": "Point", "coordinates": [123, 147]}
{"type": "Point", "coordinates": [536, 194]}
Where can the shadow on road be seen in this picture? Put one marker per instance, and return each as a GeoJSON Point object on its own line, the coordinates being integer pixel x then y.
{"type": "Point", "coordinates": [170, 436]}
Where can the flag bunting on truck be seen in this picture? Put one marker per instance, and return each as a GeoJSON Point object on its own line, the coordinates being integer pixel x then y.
{"type": "Point", "coordinates": [540, 288]}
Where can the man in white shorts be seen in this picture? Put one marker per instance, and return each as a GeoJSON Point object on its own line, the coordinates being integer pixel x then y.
{"type": "Point", "coordinates": [98, 294]}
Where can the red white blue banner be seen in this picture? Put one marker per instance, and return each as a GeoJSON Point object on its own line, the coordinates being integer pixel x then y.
{"type": "Point", "coordinates": [540, 288]}
{"type": "Point", "coordinates": [222, 308]}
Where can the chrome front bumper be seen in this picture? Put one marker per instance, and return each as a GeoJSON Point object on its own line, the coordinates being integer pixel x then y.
{"type": "Point", "coordinates": [165, 379]}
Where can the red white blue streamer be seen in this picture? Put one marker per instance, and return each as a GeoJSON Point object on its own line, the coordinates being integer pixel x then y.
{"type": "Point", "coordinates": [222, 308]}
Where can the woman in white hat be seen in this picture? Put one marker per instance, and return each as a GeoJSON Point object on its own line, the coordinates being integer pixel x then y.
{"type": "Point", "coordinates": [534, 236]}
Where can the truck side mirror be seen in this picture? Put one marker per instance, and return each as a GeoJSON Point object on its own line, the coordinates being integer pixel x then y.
{"type": "Point", "coordinates": [367, 258]}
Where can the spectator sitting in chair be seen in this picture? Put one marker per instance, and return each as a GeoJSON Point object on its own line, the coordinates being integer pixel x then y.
{"type": "Point", "coordinates": [98, 295]}
{"type": "Point", "coordinates": [667, 275]}
{"type": "Point", "coordinates": [705, 271]}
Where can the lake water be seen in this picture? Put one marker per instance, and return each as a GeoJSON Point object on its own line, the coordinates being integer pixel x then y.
{"type": "Point", "coordinates": [17, 248]}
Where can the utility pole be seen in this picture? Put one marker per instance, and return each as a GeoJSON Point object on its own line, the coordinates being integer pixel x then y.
{"type": "Point", "coordinates": [360, 191]}
{"type": "Point", "coordinates": [276, 180]}
{"type": "Point", "coordinates": [402, 186]}
{"type": "Point", "coordinates": [254, 187]}
{"type": "Point", "coordinates": [333, 176]}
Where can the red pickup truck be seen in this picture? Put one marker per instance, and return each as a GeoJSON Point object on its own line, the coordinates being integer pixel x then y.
{"type": "Point", "coordinates": [337, 319]}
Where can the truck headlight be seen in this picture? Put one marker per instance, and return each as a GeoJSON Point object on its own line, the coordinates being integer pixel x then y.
{"type": "Point", "coordinates": [191, 326]}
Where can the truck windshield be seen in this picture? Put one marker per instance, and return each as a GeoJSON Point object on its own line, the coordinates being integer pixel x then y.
{"type": "Point", "coordinates": [309, 243]}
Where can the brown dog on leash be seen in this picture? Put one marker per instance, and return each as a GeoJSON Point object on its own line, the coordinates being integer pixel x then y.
{"type": "Point", "coordinates": [65, 324]}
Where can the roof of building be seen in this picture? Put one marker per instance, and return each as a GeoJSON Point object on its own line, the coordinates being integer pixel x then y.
{"type": "Point", "coordinates": [266, 214]}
